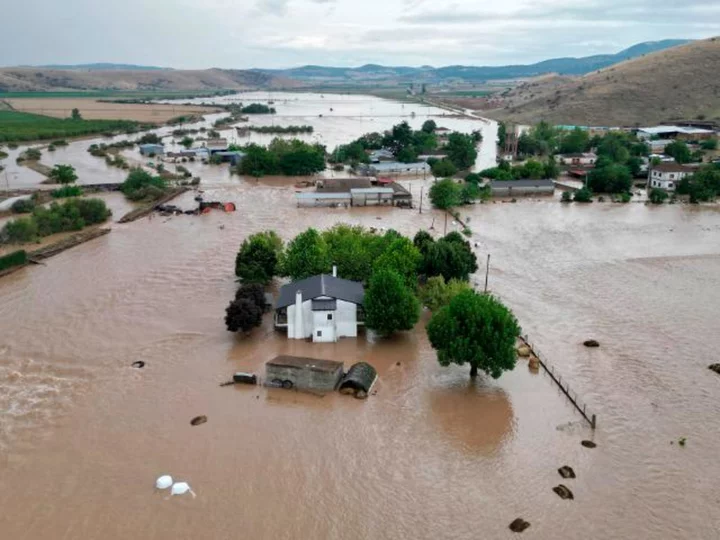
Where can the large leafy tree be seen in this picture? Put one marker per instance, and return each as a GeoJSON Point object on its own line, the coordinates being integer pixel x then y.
{"type": "Point", "coordinates": [306, 255]}
{"type": "Point", "coordinates": [613, 178]}
{"type": "Point", "coordinates": [680, 151]}
{"type": "Point", "coordinates": [477, 330]}
{"type": "Point", "coordinates": [451, 257]}
{"type": "Point", "coordinates": [390, 306]}
{"type": "Point", "coordinates": [350, 248]}
{"type": "Point", "coordinates": [445, 194]}
{"type": "Point", "coordinates": [258, 257]}
{"type": "Point", "coordinates": [243, 314]}
{"type": "Point", "coordinates": [429, 126]}
{"type": "Point", "coordinates": [63, 174]}
{"type": "Point", "coordinates": [575, 141]}
{"type": "Point", "coordinates": [461, 150]}
{"type": "Point", "coordinates": [436, 293]}
{"type": "Point", "coordinates": [443, 168]}
{"type": "Point", "coordinates": [403, 257]}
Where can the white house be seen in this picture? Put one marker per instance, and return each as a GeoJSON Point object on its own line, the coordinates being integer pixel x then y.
{"type": "Point", "coordinates": [323, 307]}
{"type": "Point", "coordinates": [667, 175]}
{"type": "Point", "coordinates": [587, 158]}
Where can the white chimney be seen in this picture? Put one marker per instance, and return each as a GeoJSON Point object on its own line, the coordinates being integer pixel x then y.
{"type": "Point", "coordinates": [299, 333]}
{"type": "Point", "coordinates": [334, 271]}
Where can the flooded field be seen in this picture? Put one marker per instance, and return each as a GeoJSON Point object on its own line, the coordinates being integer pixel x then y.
{"type": "Point", "coordinates": [433, 455]}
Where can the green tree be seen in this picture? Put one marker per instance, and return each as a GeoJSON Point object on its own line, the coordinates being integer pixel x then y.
{"type": "Point", "coordinates": [445, 194]}
{"type": "Point", "coordinates": [258, 162]}
{"type": "Point", "coordinates": [429, 126]}
{"type": "Point", "coordinates": [634, 165]}
{"type": "Point", "coordinates": [243, 315]}
{"type": "Point", "coordinates": [451, 257]}
{"type": "Point", "coordinates": [140, 184]}
{"type": "Point", "coordinates": [75, 115]}
{"type": "Point", "coordinates": [401, 256]}
{"type": "Point", "coordinates": [422, 241]}
{"type": "Point", "coordinates": [470, 192]}
{"type": "Point", "coordinates": [461, 150]}
{"type": "Point", "coordinates": [566, 197]}
{"type": "Point", "coordinates": [501, 134]}
{"type": "Point", "coordinates": [352, 249]}
{"type": "Point", "coordinates": [658, 196]}
{"type": "Point", "coordinates": [63, 174]}
{"type": "Point", "coordinates": [186, 142]}
{"type": "Point", "coordinates": [583, 195]}
{"type": "Point", "coordinates": [613, 178]}
{"type": "Point", "coordinates": [407, 154]}
{"type": "Point", "coordinates": [575, 141]}
{"type": "Point", "coordinates": [443, 168]}
{"type": "Point", "coordinates": [436, 293]}
{"type": "Point", "coordinates": [477, 330]}
{"type": "Point", "coordinates": [150, 138]}
{"type": "Point", "coordinates": [709, 144]}
{"type": "Point", "coordinates": [551, 169]}
{"type": "Point", "coordinates": [532, 170]}
{"type": "Point", "coordinates": [306, 255]}
{"type": "Point", "coordinates": [19, 231]}
{"type": "Point", "coordinates": [680, 151]}
{"type": "Point", "coordinates": [390, 306]}
{"type": "Point", "coordinates": [257, 259]}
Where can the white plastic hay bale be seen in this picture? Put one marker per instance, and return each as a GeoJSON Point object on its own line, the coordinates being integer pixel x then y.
{"type": "Point", "coordinates": [164, 482]}
{"type": "Point", "coordinates": [181, 488]}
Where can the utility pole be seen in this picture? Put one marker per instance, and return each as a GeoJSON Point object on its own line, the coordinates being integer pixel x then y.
{"type": "Point", "coordinates": [445, 230]}
{"type": "Point", "coordinates": [487, 271]}
{"type": "Point", "coordinates": [421, 197]}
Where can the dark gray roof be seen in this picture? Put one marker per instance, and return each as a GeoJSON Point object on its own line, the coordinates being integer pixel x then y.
{"type": "Point", "coordinates": [324, 305]}
{"type": "Point", "coordinates": [521, 183]}
{"type": "Point", "coordinates": [322, 285]}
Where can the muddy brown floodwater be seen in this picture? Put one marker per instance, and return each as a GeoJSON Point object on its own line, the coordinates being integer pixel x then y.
{"type": "Point", "coordinates": [83, 435]}
{"type": "Point", "coordinates": [432, 455]}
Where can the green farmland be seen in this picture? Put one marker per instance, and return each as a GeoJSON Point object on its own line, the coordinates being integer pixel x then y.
{"type": "Point", "coordinates": [20, 126]}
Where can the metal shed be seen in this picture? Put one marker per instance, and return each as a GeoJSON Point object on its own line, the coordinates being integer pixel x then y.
{"type": "Point", "coordinates": [519, 188]}
{"type": "Point", "coordinates": [323, 199]}
{"type": "Point", "coordinates": [359, 380]}
{"type": "Point", "coordinates": [373, 195]}
{"type": "Point", "coordinates": [303, 373]}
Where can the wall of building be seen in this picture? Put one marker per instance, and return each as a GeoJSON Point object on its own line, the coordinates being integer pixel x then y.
{"type": "Point", "coordinates": [345, 320]}
{"type": "Point", "coordinates": [305, 378]}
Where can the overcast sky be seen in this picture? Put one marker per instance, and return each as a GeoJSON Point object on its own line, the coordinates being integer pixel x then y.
{"type": "Point", "coordinates": [286, 33]}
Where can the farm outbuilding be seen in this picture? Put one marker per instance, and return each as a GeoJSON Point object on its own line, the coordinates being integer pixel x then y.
{"type": "Point", "coordinates": [303, 373]}
{"type": "Point", "coordinates": [520, 188]}
{"type": "Point", "coordinates": [152, 149]}
{"type": "Point", "coordinates": [359, 380]}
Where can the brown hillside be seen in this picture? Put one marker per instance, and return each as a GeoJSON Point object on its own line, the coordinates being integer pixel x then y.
{"type": "Point", "coordinates": [676, 84]}
{"type": "Point", "coordinates": [39, 79]}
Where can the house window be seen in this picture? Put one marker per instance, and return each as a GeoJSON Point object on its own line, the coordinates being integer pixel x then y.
{"type": "Point", "coordinates": [329, 316]}
{"type": "Point", "coordinates": [672, 176]}
{"type": "Point", "coordinates": [319, 333]}
{"type": "Point", "coordinates": [670, 184]}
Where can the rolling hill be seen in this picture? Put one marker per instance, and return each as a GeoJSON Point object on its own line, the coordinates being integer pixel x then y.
{"type": "Point", "coordinates": [676, 84]}
{"type": "Point", "coordinates": [42, 79]}
{"type": "Point", "coordinates": [428, 74]}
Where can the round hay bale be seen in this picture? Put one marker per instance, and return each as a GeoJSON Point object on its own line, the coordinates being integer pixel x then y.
{"type": "Point", "coordinates": [198, 420]}
{"type": "Point", "coordinates": [524, 351]}
{"type": "Point", "coordinates": [519, 525]}
{"type": "Point", "coordinates": [534, 364]}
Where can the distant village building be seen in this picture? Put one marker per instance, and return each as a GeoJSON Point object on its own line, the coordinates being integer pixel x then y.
{"type": "Point", "coordinates": [324, 308]}
{"type": "Point", "coordinates": [152, 149]}
{"type": "Point", "coordinates": [394, 167]}
{"type": "Point", "coordinates": [667, 175]}
{"type": "Point", "coordinates": [376, 156]}
{"type": "Point", "coordinates": [657, 146]}
{"type": "Point", "coordinates": [521, 188]}
{"type": "Point", "coordinates": [355, 192]}
{"type": "Point", "coordinates": [233, 157]}
{"type": "Point", "coordinates": [682, 133]}
{"type": "Point", "coordinates": [586, 158]}
{"type": "Point", "coordinates": [216, 145]}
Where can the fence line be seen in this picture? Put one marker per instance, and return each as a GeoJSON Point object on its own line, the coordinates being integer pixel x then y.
{"type": "Point", "coordinates": [564, 386]}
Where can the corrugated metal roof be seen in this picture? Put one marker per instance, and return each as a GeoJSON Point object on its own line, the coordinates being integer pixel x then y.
{"type": "Point", "coordinates": [521, 183]}
{"type": "Point", "coordinates": [375, 190]}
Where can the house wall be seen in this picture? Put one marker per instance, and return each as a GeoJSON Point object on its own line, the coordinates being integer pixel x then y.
{"type": "Point", "coordinates": [664, 180]}
{"type": "Point", "coordinates": [327, 328]}
{"type": "Point", "coordinates": [522, 191]}
{"type": "Point", "coordinates": [345, 320]}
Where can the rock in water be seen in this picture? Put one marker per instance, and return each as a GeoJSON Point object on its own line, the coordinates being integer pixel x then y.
{"type": "Point", "coordinates": [715, 368]}
{"type": "Point", "coordinates": [563, 492]}
{"type": "Point", "coordinates": [588, 444]}
{"type": "Point", "coordinates": [566, 472]}
{"type": "Point", "coordinates": [523, 351]}
{"type": "Point", "coordinates": [519, 525]}
{"type": "Point", "coordinates": [591, 343]}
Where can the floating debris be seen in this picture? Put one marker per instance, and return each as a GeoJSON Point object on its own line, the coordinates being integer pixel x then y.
{"type": "Point", "coordinates": [591, 343]}
{"type": "Point", "coordinates": [138, 364]}
{"type": "Point", "coordinates": [588, 444]}
{"type": "Point", "coordinates": [198, 420]}
{"type": "Point", "coordinates": [682, 441]}
{"type": "Point", "coordinates": [715, 368]}
{"type": "Point", "coordinates": [519, 525]}
{"type": "Point", "coordinates": [245, 378]}
{"type": "Point", "coordinates": [563, 492]}
{"type": "Point", "coordinates": [566, 472]}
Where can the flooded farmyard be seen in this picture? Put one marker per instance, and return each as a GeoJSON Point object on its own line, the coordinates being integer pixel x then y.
{"type": "Point", "coordinates": [432, 454]}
